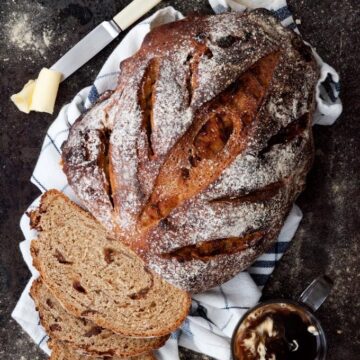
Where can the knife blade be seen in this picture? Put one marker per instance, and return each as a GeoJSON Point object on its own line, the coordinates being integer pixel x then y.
{"type": "Point", "coordinates": [101, 36]}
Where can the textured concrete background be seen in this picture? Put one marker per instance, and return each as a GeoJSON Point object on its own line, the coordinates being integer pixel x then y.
{"type": "Point", "coordinates": [328, 238]}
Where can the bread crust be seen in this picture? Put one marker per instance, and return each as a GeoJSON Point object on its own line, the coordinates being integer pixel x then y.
{"type": "Point", "coordinates": [209, 140]}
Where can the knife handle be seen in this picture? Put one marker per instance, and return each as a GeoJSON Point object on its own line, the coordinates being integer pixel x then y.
{"type": "Point", "coordinates": [133, 12]}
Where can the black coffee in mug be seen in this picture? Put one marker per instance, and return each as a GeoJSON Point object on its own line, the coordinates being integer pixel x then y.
{"type": "Point", "coordinates": [284, 329]}
{"type": "Point", "coordinates": [278, 331]}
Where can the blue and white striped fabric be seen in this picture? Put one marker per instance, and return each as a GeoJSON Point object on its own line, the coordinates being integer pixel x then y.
{"type": "Point", "coordinates": [214, 313]}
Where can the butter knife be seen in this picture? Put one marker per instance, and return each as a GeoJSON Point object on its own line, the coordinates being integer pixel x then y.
{"type": "Point", "coordinates": [101, 36]}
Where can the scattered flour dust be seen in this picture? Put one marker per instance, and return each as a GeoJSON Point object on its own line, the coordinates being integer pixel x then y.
{"type": "Point", "coordinates": [25, 30]}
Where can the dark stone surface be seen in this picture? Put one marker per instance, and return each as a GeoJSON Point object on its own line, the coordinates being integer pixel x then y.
{"type": "Point", "coordinates": [328, 238]}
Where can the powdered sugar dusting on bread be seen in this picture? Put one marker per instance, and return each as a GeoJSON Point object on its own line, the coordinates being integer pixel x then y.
{"type": "Point", "coordinates": [248, 172]}
{"type": "Point", "coordinates": [123, 141]}
{"type": "Point", "coordinates": [81, 152]}
{"type": "Point", "coordinates": [198, 275]}
{"type": "Point", "coordinates": [172, 116]}
{"type": "Point", "coordinates": [205, 221]}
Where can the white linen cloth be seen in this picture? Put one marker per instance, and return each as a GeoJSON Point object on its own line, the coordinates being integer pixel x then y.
{"type": "Point", "coordinates": [214, 313]}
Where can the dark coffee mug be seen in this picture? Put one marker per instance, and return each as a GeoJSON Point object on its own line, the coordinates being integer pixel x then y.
{"type": "Point", "coordinates": [286, 328]}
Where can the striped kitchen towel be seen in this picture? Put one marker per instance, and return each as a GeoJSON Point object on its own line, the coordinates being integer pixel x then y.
{"type": "Point", "coordinates": [214, 313]}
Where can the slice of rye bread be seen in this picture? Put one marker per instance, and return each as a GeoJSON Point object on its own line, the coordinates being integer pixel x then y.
{"type": "Point", "coordinates": [84, 334]}
{"type": "Point", "coordinates": [98, 278]}
{"type": "Point", "coordinates": [62, 351]}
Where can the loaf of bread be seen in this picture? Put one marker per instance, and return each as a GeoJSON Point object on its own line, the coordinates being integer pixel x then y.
{"type": "Point", "coordinates": [198, 155]}
{"type": "Point", "coordinates": [96, 277]}
{"type": "Point", "coordinates": [82, 334]}
{"type": "Point", "coordinates": [61, 351]}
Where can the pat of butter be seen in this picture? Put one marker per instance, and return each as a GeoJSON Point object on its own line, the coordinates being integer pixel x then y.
{"type": "Point", "coordinates": [39, 95]}
{"type": "Point", "coordinates": [23, 99]}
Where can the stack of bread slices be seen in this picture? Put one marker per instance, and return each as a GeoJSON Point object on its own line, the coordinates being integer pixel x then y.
{"type": "Point", "coordinates": [95, 297]}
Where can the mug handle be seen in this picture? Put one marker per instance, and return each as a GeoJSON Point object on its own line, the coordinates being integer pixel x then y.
{"type": "Point", "coordinates": [317, 292]}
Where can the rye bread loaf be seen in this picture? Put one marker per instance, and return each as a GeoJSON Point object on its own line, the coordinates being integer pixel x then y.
{"type": "Point", "coordinates": [96, 277]}
{"type": "Point", "coordinates": [62, 351]}
{"type": "Point", "coordinates": [83, 334]}
{"type": "Point", "coordinates": [197, 157]}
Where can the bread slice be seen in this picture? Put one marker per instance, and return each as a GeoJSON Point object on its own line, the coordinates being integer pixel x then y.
{"type": "Point", "coordinates": [84, 334]}
{"type": "Point", "coordinates": [61, 351]}
{"type": "Point", "coordinates": [98, 278]}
